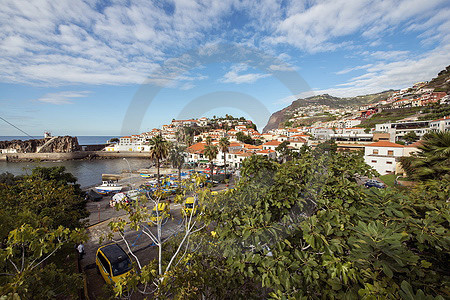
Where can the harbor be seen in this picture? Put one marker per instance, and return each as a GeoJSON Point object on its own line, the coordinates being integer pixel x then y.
{"type": "Point", "coordinates": [88, 172]}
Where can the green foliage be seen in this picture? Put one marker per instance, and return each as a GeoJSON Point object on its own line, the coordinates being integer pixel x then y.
{"type": "Point", "coordinates": [435, 112]}
{"type": "Point", "coordinates": [328, 237]}
{"type": "Point", "coordinates": [433, 159]}
{"type": "Point", "coordinates": [242, 137]}
{"type": "Point", "coordinates": [38, 218]}
{"type": "Point", "coordinates": [328, 146]}
{"type": "Point", "coordinates": [305, 229]}
{"type": "Point", "coordinates": [177, 158]}
{"type": "Point", "coordinates": [389, 116]}
{"type": "Point", "coordinates": [159, 150]}
{"type": "Point", "coordinates": [411, 137]}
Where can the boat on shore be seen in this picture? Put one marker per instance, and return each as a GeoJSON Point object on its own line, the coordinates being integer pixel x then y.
{"type": "Point", "coordinates": [110, 184]}
{"type": "Point", "coordinates": [108, 187]}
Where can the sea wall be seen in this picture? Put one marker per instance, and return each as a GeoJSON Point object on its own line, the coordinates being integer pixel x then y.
{"type": "Point", "coordinates": [16, 157]}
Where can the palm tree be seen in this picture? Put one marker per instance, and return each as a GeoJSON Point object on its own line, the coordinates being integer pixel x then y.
{"type": "Point", "coordinates": [224, 143]}
{"type": "Point", "coordinates": [211, 152]}
{"type": "Point", "coordinates": [159, 150]}
{"type": "Point", "coordinates": [433, 160]}
{"type": "Point", "coordinates": [176, 158]}
{"type": "Point", "coordinates": [208, 140]}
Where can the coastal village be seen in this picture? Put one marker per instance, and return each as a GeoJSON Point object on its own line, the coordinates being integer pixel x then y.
{"type": "Point", "coordinates": [222, 150]}
{"type": "Point", "coordinates": [382, 145]}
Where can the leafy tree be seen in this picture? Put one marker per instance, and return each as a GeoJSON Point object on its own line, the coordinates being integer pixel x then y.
{"type": "Point", "coordinates": [433, 160]}
{"type": "Point", "coordinates": [24, 259]}
{"type": "Point", "coordinates": [177, 158]}
{"type": "Point", "coordinates": [39, 218]}
{"type": "Point", "coordinates": [159, 150]}
{"type": "Point", "coordinates": [8, 178]}
{"type": "Point", "coordinates": [211, 152]}
{"type": "Point", "coordinates": [242, 137]}
{"type": "Point", "coordinates": [156, 277]}
{"type": "Point", "coordinates": [410, 137]}
{"type": "Point", "coordinates": [284, 150]}
{"type": "Point", "coordinates": [114, 140]}
{"type": "Point", "coordinates": [305, 229]}
{"type": "Point", "coordinates": [311, 232]}
{"type": "Point", "coordinates": [224, 143]}
{"type": "Point", "coordinates": [328, 146]}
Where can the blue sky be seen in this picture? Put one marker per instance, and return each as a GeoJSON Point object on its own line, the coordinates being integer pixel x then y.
{"type": "Point", "coordinates": [119, 67]}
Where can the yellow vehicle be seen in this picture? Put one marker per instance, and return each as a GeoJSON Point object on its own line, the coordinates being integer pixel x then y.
{"type": "Point", "coordinates": [190, 206]}
{"type": "Point", "coordinates": [113, 263]}
{"type": "Point", "coordinates": [160, 212]}
{"type": "Point", "coordinates": [215, 193]}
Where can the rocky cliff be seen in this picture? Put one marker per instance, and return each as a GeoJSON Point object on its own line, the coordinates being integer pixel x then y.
{"type": "Point", "coordinates": [60, 144]}
{"type": "Point", "coordinates": [441, 83]}
{"type": "Point", "coordinates": [280, 116]}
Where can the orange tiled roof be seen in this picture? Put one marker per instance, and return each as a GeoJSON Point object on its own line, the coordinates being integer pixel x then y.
{"type": "Point", "coordinates": [197, 147]}
{"type": "Point", "coordinates": [272, 143]}
{"type": "Point", "coordinates": [385, 144]}
{"type": "Point", "coordinates": [266, 151]}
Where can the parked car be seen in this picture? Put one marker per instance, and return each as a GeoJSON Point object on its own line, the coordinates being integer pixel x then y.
{"type": "Point", "coordinates": [160, 212]}
{"type": "Point", "coordinates": [113, 263]}
{"type": "Point", "coordinates": [374, 183]}
{"type": "Point", "coordinates": [93, 196]}
{"type": "Point", "coordinates": [190, 206]}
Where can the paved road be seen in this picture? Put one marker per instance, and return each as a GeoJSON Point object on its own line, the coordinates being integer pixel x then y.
{"type": "Point", "coordinates": [141, 245]}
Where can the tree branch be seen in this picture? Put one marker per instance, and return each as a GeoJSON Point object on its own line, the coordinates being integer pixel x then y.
{"type": "Point", "coordinates": [129, 250]}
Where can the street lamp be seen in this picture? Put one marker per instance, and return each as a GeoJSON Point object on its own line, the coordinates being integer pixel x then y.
{"type": "Point", "coordinates": [129, 167]}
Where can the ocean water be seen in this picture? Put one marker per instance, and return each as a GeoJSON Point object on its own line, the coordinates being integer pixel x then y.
{"type": "Point", "coordinates": [82, 139]}
{"type": "Point", "coordinates": [88, 172]}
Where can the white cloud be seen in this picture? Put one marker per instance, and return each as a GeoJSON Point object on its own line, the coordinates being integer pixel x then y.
{"type": "Point", "coordinates": [319, 26]}
{"type": "Point", "coordinates": [70, 42]}
{"type": "Point", "coordinates": [233, 75]}
{"type": "Point", "coordinates": [66, 97]}
{"type": "Point", "coordinates": [389, 55]}
{"type": "Point", "coordinates": [348, 70]}
{"type": "Point", "coordinates": [384, 76]}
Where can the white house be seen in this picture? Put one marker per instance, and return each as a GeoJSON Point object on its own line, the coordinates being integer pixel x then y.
{"type": "Point", "coordinates": [382, 156]}
{"type": "Point", "coordinates": [271, 145]}
{"type": "Point", "coordinates": [440, 124]}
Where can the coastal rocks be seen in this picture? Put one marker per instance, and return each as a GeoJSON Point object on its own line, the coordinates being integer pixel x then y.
{"type": "Point", "coordinates": [19, 146]}
{"type": "Point", "coordinates": [60, 144]}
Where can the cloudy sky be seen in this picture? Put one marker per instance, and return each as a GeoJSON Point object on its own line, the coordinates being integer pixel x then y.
{"type": "Point", "coordinates": [118, 67]}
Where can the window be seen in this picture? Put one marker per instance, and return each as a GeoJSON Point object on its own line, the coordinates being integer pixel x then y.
{"type": "Point", "coordinates": [374, 161]}
{"type": "Point", "coordinates": [390, 152]}
{"type": "Point", "coordinates": [375, 151]}
{"type": "Point", "coordinates": [103, 263]}
{"type": "Point", "coordinates": [389, 162]}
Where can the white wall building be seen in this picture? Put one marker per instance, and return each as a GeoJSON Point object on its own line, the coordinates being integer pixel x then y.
{"type": "Point", "coordinates": [382, 156]}
{"type": "Point", "coordinates": [440, 124]}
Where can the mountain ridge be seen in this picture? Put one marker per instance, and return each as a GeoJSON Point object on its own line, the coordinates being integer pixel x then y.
{"type": "Point", "coordinates": [325, 99]}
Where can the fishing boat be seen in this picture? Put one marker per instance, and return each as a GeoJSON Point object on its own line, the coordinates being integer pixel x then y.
{"type": "Point", "coordinates": [145, 175]}
{"type": "Point", "coordinates": [108, 187]}
{"type": "Point", "coordinates": [110, 184]}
